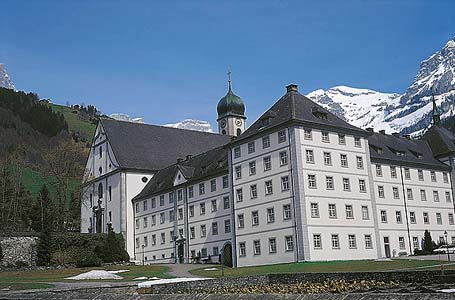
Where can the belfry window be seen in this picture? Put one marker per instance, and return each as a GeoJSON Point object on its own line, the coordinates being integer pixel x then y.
{"type": "Point", "coordinates": [100, 191]}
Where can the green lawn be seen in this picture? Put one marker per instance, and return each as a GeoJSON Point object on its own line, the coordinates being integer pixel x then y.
{"type": "Point", "coordinates": [49, 276]}
{"type": "Point", "coordinates": [74, 122]}
{"type": "Point", "coordinates": [24, 286]}
{"type": "Point", "coordinates": [332, 266]}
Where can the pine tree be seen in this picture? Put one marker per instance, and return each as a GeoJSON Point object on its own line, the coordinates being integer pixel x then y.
{"type": "Point", "coordinates": [428, 245]}
{"type": "Point", "coordinates": [43, 248]}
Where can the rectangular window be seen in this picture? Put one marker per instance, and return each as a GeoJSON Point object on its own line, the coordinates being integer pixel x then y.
{"type": "Point", "coordinates": [312, 181]}
{"type": "Point", "coordinates": [409, 194]}
{"type": "Point", "coordinates": [171, 197]}
{"type": "Point", "coordinates": [309, 156]}
{"type": "Point", "coordinates": [420, 174]}
{"type": "Point", "coordinates": [368, 242]}
{"type": "Point", "coordinates": [237, 152]}
{"type": "Point", "coordinates": [317, 242]}
{"type": "Point", "coordinates": [171, 216]}
{"type": "Point", "coordinates": [346, 185]}
{"type": "Point", "coordinates": [359, 160]}
{"type": "Point", "coordinates": [239, 195]}
{"type": "Point", "coordinates": [335, 241]}
{"type": "Point", "coordinates": [451, 220]}
{"type": "Point", "coordinates": [162, 218]}
{"type": "Point", "coordinates": [242, 249]}
{"type": "Point", "coordinates": [203, 231]}
{"type": "Point", "coordinates": [204, 252]}
{"type": "Point", "coordinates": [257, 247]}
{"type": "Point", "coordinates": [398, 217]}
{"type": "Point", "coordinates": [283, 158]}
{"type": "Point", "coordinates": [362, 186]}
{"type": "Point", "coordinates": [438, 218]}
{"type": "Point", "coordinates": [252, 167]}
{"type": "Point", "coordinates": [272, 245]}
{"type": "Point", "coordinates": [415, 242]}
{"type": "Point", "coordinates": [448, 198]}
{"type": "Point", "coordinates": [270, 215]}
{"type": "Point", "coordinates": [349, 212]}
{"type": "Point", "coordinates": [307, 134]}
{"type": "Point", "coordinates": [268, 187]}
{"type": "Point", "coordinates": [289, 243]}
{"type": "Point", "coordinates": [153, 203]}
{"type": "Point", "coordinates": [332, 211]}
{"type": "Point", "coordinates": [412, 217]}
{"type": "Point", "coordinates": [436, 196]}
{"type": "Point", "coordinates": [241, 221]}
{"type": "Point", "coordinates": [407, 174]}
{"type": "Point", "coordinates": [401, 243]}
{"type": "Point", "coordinates": [365, 213]}
{"type": "Point", "coordinates": [445, 177]}
{"type": "Point", "coordinates": [238, 172]}
{"type": "Point", "coordinates": [327, 159]}
{"type": "Point", "coordinates": [379, 170]}
{"type": "Point", "coordinates": [255, 218]}
{"type": "Point", "coordinates": [227, 226]}
{"type": "Point", "coordinates": [192, 233]}
{"type": "Point", "coordinates": [214, 205]}
{"type": "Point", "coordinates": [190, 192]}
{"type": "Point", "coordinates": [325, 137]}
{"type": "Point", "coordinates": [202, 209]}
{"type": "Point", "coordinates": [329, 182]}
{"type": "Point", "coordinates": [225, 182]}
{"type": "Point", "coordinates": [215, 251]}
{"type": "Point", "coordinates": [215, 228]}
{"type": "Point", "coordinates": [396, 193]}
{"type": "Point", "coordinates": [423, 195]}
{"type": "Point", "coordinates": [314, 210]}
{"type": "Point", "coordinates": [383, 216]}
{"type": "Point", "coordinates": [191, 210]}
{"type": "Point", "coordinates": [381, 191]}
{"type": "Point", "coordinates": [352, 241]}
{"type": "Point", "coordinates": [137, 223]}
{"type": "Point", "coordinates": [286, 212]}
{"type": "Point", "coordinates": [357, 142]}
{"type": "Point", "coordinates": [144, 203]}
{"type": "Point", "coordinates": [393, 171]}
{"type": "Point", "coordinates": [285, 183]}
{"type": "Point", "coordinates": [253, 191]}
{"type": "Point", "coordinates": [265, 142]}
{"type": "Point", "coordinates": [163, 238]}
{"type": "Point", "coordinates": [251, 147]}
{"type": "Point", "coordinates": [180, 212]}
{"type": "Point", "coordinates": [153, 239]}
{"type": "Point", "coordinates": [281, 136]}
{"type": "Point", "coordinates": [426, 219]}
{"type": "Point", "coordinates": [137, 242]}
{"type": "Point", "coordinates": [153, 220]}
{"type": "Point", "coordinates": [267, 163]}
{"type": "Point", "coordinates": [201, 188]}
{"type": "Point", "coordinates": [213, 185]}
{"type": "Point", "coordinates": [137, 207]}
{"type": "Point", "coordinates": [179, 195]}
{"type": "Point", "coordinates": [344, 160]}
{"type": "Point", "coordinates": [226, 203]}
{"type": "Point", "coordinates": [433, 176]}
{"type": "Point", "coordinates": [341, 139]}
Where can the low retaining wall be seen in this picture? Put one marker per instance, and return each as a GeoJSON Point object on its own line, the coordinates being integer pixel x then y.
{"type": "Point", "coordinates": [18, 251]}
{"type": "Point", "coordinates": [427, 277]}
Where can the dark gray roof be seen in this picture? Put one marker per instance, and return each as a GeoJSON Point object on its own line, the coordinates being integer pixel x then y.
{"type": "Point", "coordinates": [208, 164]}
{"type": "Point", "coordinates": [152, 148]}
{"type": "Point", "coordinates": [295, 107]}
{"type": "Point", "coordinates": [403, 151]}
{"type": "Point", "coordinates": [441, 140]}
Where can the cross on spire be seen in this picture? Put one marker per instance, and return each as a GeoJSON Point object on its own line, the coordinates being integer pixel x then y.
{"type": "Point", "coordinates": [229, 77]}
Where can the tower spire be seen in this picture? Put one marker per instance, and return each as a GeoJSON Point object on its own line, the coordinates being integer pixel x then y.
{"type": "Point", "coordinates": [436, 114]}
{"type": "Point", "coordinates": [229, 78]}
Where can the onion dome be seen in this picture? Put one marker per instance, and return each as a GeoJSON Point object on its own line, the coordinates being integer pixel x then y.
{"type": "Point", "coordinates": [231, 105]}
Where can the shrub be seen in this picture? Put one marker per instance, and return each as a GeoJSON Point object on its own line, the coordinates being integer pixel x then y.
{"type": "Point", "coordinates": [1, 252]}
{"type": "Point", "coordinates": [113, 249]}
{"type": "Point", "coordinates": [21, 264]}
{"type": "Point", "coordinates": [88, 261]}
{"type": "Point", "coordinates": [43, 249]}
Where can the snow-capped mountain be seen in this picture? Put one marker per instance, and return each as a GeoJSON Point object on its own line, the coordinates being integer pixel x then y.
{"type": "Point", "coordinates": [5, 81]}
{"type": "Point", "coordinates": [125, 117]}
{"type": "Point", "coordinates": [191, 124]}
{"type": "Point", "coordinates": [409, 113]}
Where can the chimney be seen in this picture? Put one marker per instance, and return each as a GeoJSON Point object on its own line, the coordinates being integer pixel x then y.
{"type": "Point", "coordinates": [370, 129]}
{"type": "Point", "coordinates": [382, 132]}
{"type": "Point", "coordinates": [407, 136]}
{"type": "Point", "coordinates": [396, 134]}
{"type": "Point", "coordinates": [179, 160]}
{"type": "Point", "coordinates": [292, 88]}
{"type": "Point", "coordinates": [188, 157]}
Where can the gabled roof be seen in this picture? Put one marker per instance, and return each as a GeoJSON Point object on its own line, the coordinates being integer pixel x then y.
{"type": "Point", "coordinates": [152, 148]}
{"type": "Point", "coordinates": [295, 107]}
{"type": "Point", "coordinates": [441, 140]}
{"type": "Point", "coordinates": [208, 164]}
{"type": "Point", "coordinates": [403, 151]}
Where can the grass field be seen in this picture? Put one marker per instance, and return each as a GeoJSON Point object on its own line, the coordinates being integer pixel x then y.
{"type": "Point", "coordinates": [333, 266]}
{"type": "Point", "coordinates": [24, 286]}
{"type": "Point", "coordinates": [74, 123]}
{"type": "Point", "coordinates": [49, 276]}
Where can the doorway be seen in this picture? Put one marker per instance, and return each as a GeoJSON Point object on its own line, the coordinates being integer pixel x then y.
{"type": "Point", "coordinates": [387, 246]}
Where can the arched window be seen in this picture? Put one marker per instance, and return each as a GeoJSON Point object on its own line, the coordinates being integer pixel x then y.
{"type": "Point", "coordinates": [101, 170]}
{"type": "Point", "coordinates": [100, 190]}
{"type": "Point", "coordinates": [223, 132]}
{"type": "Point", "coordinates": [239, 131]}
{"type": "Point", "coordinates": [101, 151]}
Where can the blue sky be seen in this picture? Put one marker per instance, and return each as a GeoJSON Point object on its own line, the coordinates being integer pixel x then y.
{"type": "Point", "coordinates": [166, 61]}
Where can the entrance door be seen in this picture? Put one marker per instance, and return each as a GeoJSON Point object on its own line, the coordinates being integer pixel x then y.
{"type": "Point", "coordinates": [387, 246]}
{"type": "Point", "coordinates": [227, 255]}
{"type": "Point", "coordinates": [181, 253]}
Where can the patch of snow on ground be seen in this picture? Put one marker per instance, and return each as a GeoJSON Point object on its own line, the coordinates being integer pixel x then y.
{"type": "Point", "coordinates": [211, 269]}
{"type": "Point", "coordinates": [141, 278]}
{"type": "Point", "coordinates": [96, 274]}
{"type": "Point", "coordinates": [148, 284]}
{"type": "Point", "coordinates": [118, 271]}
{"type": "Point", "coordinates": [447, 291]}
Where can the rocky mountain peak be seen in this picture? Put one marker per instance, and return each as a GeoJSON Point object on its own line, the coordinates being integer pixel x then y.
{"type": "Point", "coordinates": [5, 81]}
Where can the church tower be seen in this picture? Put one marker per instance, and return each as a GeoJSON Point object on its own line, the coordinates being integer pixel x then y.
{"type": "Point", "coordinates": [231, 113]}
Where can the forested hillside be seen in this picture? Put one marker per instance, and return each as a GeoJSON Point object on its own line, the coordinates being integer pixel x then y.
{"type": "Point", "coordinates": [43, 148]}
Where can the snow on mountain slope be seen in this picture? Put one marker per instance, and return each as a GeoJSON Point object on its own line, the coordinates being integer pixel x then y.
{"type": "Point", "coordinates": [125, 117]}
{"type": "Point", "coordinates": [5, 80]}
{"type": "Point", "coordinates": [191, 124]}
{"type": "Point", "coordinates": [409, 113]}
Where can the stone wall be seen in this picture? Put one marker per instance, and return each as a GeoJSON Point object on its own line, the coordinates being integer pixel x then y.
{"type": "Point", "coordinates": [18, 251]}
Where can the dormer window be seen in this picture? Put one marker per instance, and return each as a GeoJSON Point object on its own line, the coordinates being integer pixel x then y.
{"type": "Point", "coordinates": [266, 121]}
{"type": "Point", "coordinates": [321, 115]}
